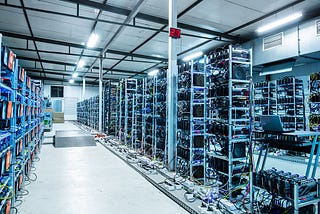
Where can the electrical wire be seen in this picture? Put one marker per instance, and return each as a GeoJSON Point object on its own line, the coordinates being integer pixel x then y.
{"type": "Point", "coordinates": [30, 179]}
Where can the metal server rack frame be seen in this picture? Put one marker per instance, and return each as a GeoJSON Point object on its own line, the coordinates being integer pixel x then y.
{"type": "Point", "coordinates": [132, 93]}
{"type": "Point", "coordinates": [148, 113]}
{"type": "Point", "coordinates": [232, 121]}
{"type": "Point", "coordinates": [197, 120]}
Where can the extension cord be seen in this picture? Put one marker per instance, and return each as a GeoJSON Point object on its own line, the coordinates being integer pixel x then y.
{"type": "Point", "coordinates": [178, 186]}
{"type": "Point", "coordinates": [189, 184]}
{"type": "Point", "coordinates": [228, 205]}
{"type": "Point", "coordinates": [144, 160]}
{"type": "Point", "coordinates": [213, 210]}
{"type": "Point", "coordinates": [169, 186]}
{"type": "Point", "coordinates": [189, 196]}
{"type": "Point", "coordinates": [203, 208]}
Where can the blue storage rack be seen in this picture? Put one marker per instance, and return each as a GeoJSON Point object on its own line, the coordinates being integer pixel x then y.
{"type": "Point", "coordinates": [21, 126]}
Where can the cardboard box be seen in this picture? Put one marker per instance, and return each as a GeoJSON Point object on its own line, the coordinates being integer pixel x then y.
{"type": "Point", "coordinates": [58, 117]}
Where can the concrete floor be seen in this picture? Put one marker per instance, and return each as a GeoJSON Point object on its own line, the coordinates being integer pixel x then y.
{"type": "Point", "coordinates": [91, 180]}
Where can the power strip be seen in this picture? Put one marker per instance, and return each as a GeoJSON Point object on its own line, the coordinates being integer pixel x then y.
{"type": "Point", "coordinates": [228, 205]}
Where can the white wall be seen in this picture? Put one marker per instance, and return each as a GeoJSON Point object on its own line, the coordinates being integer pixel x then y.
{"type": "Point", "coordinates": [72, 95]}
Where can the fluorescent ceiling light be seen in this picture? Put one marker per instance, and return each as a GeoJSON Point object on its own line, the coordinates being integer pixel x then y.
{"type": "Point", "coordinates": [75, 75]}
{"type": "Point", "coordinates": [279, 22]}
{"type": "Point", "coordinates": [80, 64]}
{"type": "Point", "coordinates": [71, 81]}
{"type": "Point", "coordinates": [193, 56]}
{"type": "Point", "coordinates": [153, 72]}
{"type": "Point", "coordinates": [275, 71]}
{"type": "Point", "coordinates": [92, 40]}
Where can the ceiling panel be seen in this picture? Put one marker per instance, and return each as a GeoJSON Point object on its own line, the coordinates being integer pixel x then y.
{"type": "Point", "coordinates": [132, 66]}
{"type": "Point", "coordinates": [223, 15]}
{"type": "Point", "coordinates": [59, 27]}
{"type": "Point", "coordinates": [30, 54]}
{"type": "Point", "coordinates": [53, 66]}
{"type": "Point", "coordinates": [46, 46]}
{"type": "Point", "coordinates": [303, 7]}
{"type": "Point", "coordinates": [75, 50]}
{"type": "Point", "coordinates": [13, 42]}
{"type": "Point", "coordinates": [158, 47]}
{"type": "Point", "coordinates": [88, 11]}
{"type": "Point", "coordinates": [160, 8]}
{"type": "Point", "coordinates": [90, 52]}
{"type": "Point", "coordinates": [59, 57]}
{"type": "Point", "coordinates": [261, 6]}
{"type": "Point", "coordinates": [17, 24]}
{"type": "Point", "coordinates": [108, 63]}
{"type": "Point", "coordinates": [130, 38]}
{"type": "Point", "coordinates": [53, 5]}
{"type": "Point", "coordinates": [70, 68]}
{"type": "Point", "coordinates": [25, 63]}
{"type": "Point", "coordinates": [108, 16]}
{"type": "Point", "coordinates": [127, 4]}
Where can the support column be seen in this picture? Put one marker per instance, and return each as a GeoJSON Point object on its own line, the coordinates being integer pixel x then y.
{"type": "Point", "coordinates": [172, 88]}
{"type": "Point", "coordinates": [83, 88]}
{"type": "Point", "coordinates": [100, 94]}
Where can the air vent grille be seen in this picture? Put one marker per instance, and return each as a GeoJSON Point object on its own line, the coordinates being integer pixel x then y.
{"type": "Point", "coordinates": [318, 27]}
{"type": "Point", "coordinates": [273, 41]}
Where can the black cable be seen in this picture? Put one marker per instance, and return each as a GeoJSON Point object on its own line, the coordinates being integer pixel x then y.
{"type": "Point", "coordinates": [19, 202]}
{"type": "Point", "coordinates": [14, 208]}
{"type": "Point", "coordinates": [30, 179]}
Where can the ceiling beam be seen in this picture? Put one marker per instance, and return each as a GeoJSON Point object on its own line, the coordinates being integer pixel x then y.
{"type": "Point", "coordinates": [120, 29]}
{"type": "Point", "coordinates": [72, 64]}
{"type": "Point", "coordinates": [68, 73]}
{"type": "Point", "coordinates": [74, 45]}
{"type": "Point", "coordinates": [30, 31]}
{"type": "Point", "coordinates": [150, 18]}
{"type": "Point", "coordinates": [76, 54]}
{"type": "Point", "coordinates": [156, 33]}
{"type": "Point", "coordinates": [265, 16]}
{"type": "Point", "coordinates": [103, 21]}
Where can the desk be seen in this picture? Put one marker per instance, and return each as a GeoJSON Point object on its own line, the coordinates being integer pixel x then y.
{"type": "Point", "coordinates": [267, 143]}
{"type": "Point", "coordinates": [288, 145]}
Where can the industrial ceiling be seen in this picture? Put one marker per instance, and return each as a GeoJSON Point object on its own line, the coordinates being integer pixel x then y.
{"type": "Point", "coordinates": [50, 36]}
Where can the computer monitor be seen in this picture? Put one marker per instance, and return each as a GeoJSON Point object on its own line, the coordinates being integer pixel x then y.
{"type": "Point", "coordinates": [272, 123]}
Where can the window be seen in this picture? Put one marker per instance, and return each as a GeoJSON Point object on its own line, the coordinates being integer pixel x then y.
{"type": "Point", "coordinates": [56, 91]}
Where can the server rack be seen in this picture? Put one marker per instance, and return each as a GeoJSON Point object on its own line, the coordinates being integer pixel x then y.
{"type": "Point", "coordinates": [21, 131]}
{"type": "Point", "coordinates": [314, 102]}
{"type": "Point", "coordinates": [230, 70]}
{"type": "Point", "coordinates": [149, 117]}
{"type": "Point", "coordinates": [191, 155]}
{"type": "Point", "coordinates": [129, 120]}
{"type": "Point", "coordinates": [161, 115]}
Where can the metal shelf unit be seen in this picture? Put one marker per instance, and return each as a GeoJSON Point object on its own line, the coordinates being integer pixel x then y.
{"type": "Point", "coordinates": [314, 102]}
{"type": "Point", "coordinates": [290, 103]}
{"type": "Point", "coordinates": [148, 117]}
{"type": "Point", "coordinates": [229, 72]}
{"type": "Point", "coordinates": [110, 115]}
{"type": "Point", "coordinates": [129, 120]}
{"type": "Point", "coordinates": [265, 101]}
{"type": "Point", "coordinates": [161, 115]}
{"type": "Point", "coordinates": [21, 126]}
{"type": "Point", "coordinates": [138, 145]}
{"type": "Point", "coordinates": [191, 155]}
{"type": "Point", "coordinates": [121, 110]}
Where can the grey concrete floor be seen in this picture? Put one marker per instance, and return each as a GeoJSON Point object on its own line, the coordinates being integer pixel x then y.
{"type": "Point", "coordinates": [91, 180]}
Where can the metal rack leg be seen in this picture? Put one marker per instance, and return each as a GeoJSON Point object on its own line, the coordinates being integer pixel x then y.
{"type": "Point", "coordinates": [311, 158]}
{"type": "Point", "coordinates": [315, 166]}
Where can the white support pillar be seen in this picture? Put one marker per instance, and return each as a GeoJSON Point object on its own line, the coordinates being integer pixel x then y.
{"type": "Point", "coordinates": [83, 88]}
{"type": "Point", "coordinates": [100, 94]}
{"type": "Point", "coordinates": [172, 88]}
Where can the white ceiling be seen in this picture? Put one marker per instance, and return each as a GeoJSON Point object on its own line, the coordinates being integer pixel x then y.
{"type": "Point", "coordinates": [49, 23]}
